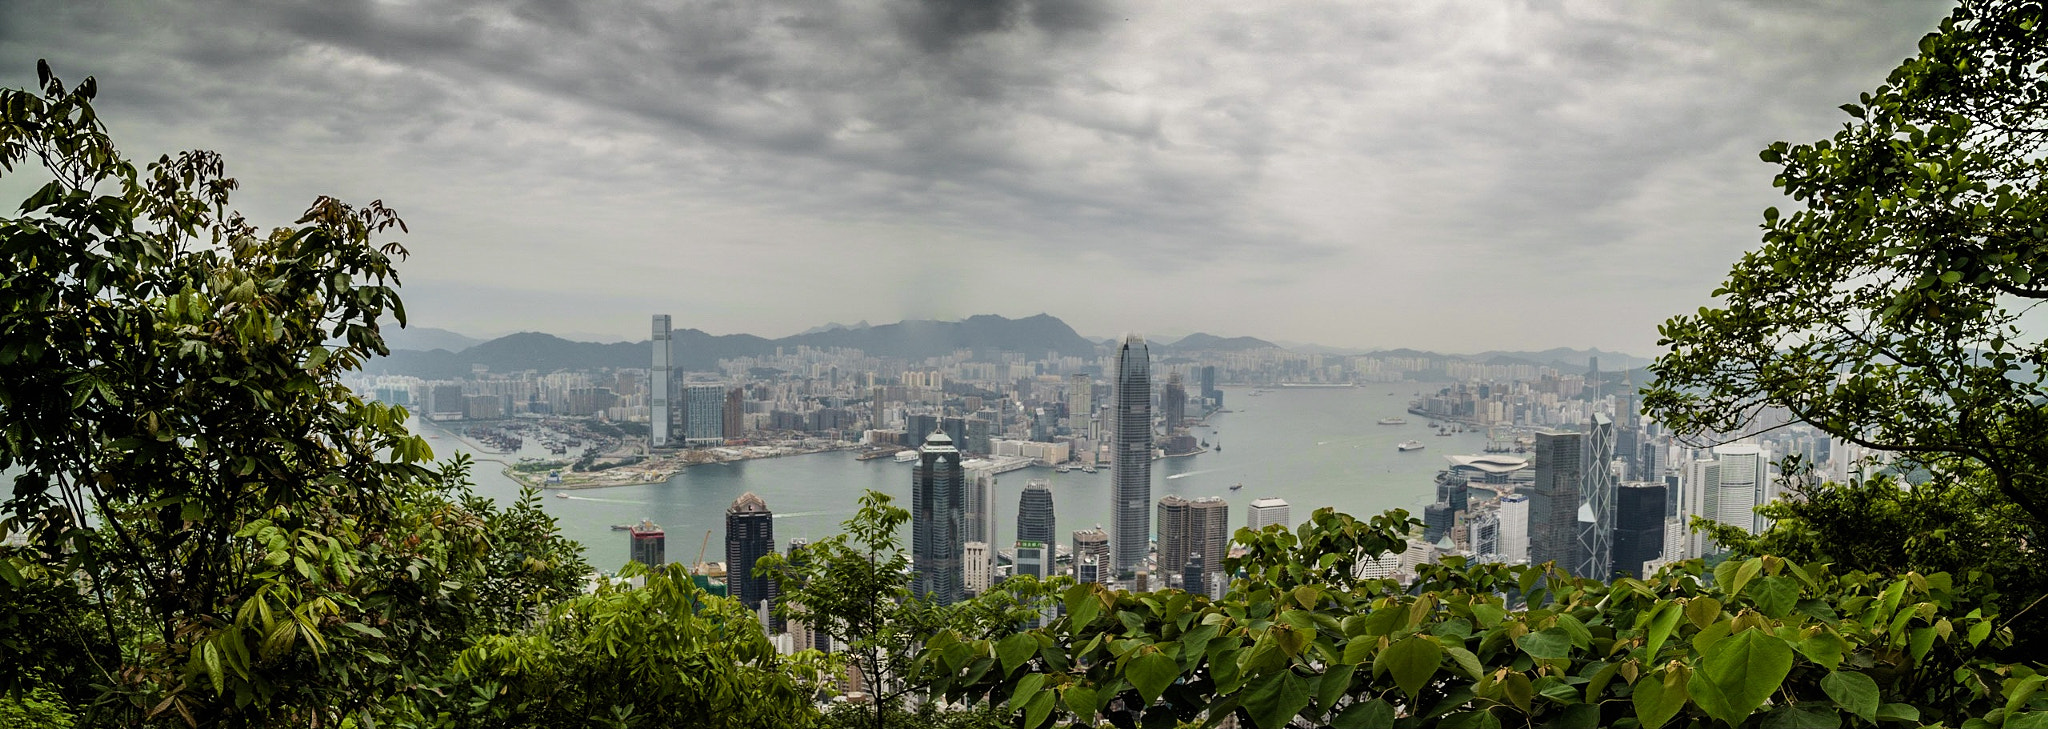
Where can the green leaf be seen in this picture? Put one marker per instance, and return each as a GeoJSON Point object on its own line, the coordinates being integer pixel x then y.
{"type": "Point", "coordinates": [1743, 575]}
{"type": "Point", "coordinates": [1488, 614]}
{"type": "Point", "coordinates": [2018, 692]}
{"type": "Point", "coordinates": [1333, 685]}
{"type": "Point", "coordinates": [1519, 691]}
{"type": "Point", "coordinates": [1036, 712]}
{"type": "Point", "coordinates": [1737, 673]}
{"type": "Point", "coordinates": [1374, 714]}
{"type": "Point", "coordinates": [1547, 643]}
{"type": "Point", "coordinates": [1465, 660]}
{"type": "Point", "coordinates": [1080, 700]}
{"type": "Point", "coordinates": [1703, 611]}
{"type": "Point", "coordinates": [1824, 648]}
{"type": "Point", "coordinates": [1470, 720]}
{"type": "Point", "coordinates": [1853, 691]}
{"type": "Point", "coordinates": [1027, 689]}
{"type": "Point", "coordinates": [1412, 661]}
{"type": "Point", "coordinates": [1015, 651]}
{"type": "Point", "coordinates": [1775, 596]}
{"type": "Point", "coordinates": [1275, 699]}
{"type": "Point", "coordinates": [1662, 623]}
{"type": "Point", "coordinates": [1576, 716]}
{"type": "Point", "coordinates": [2027, 720]}
{"type": "Point", "coordinates": [1659, 697]}
{"type": "Point", "coordinates": [1802, 717]}
{"type": "Point", "coordinates": [1150, 674]}
{"type": "Point", "coordinates": [1898, 712]}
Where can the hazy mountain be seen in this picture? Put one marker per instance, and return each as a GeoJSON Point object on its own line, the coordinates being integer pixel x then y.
{"type": "Point", "coordinates": [1201, 342]}
{"type": "Point", "coordinates": [863, 324]}
{"type": "Point", "coordinates": [1573, 359]}
{"type": "Point", "coordinates": [427, 338]}
{"type": "Point", "coordinates": [698, 351]}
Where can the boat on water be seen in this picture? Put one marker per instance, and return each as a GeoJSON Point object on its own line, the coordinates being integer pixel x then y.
{"type": "Point", "coordinates": [621, 527]}
{"type": "Point", "coordinates": [1236, 486]}
{"type": "Point", "coordinates": [1063, 468]}
{"type": "Point", "coordinates": [1409, 445]}
{"type": "Point", "coordinates": [560, 495]}
{"type": "Point", "coordinates": [1393, 421]}
{"type": "Point", "coordinates": [1087, 469]}
{"type": "Point", "coordinates": [906, 456]}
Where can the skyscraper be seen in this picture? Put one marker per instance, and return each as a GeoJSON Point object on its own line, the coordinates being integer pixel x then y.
{"type": "Point", "coordinates": [1093, 545]}
{"type": "Point", "coordinates": [1514, 528]}
{"type": "Point", "coordinates": [938, 521]}
{"type": "Point", "coordinates": [1744, 480]}
{"type": "Point", "coordinates": [1194, 575]}
{"type": "Point", "coordinates": [645, 542]}
{"type": "Point", "coordinates": [1209, 531]}
{"type": "Point", "coordinates": [734, 414]}
{"type": "Point", "coordinates": [1034, 513]}
{"type": "Point", "coordinates": [704, 414]}
{"type": "Point", "coordinates": [658, 387]}
{"type": "Point", "coordinates": [1639, 527]}
{"type": "Point", "coordinates": [1596, 547]}
{"type": "Point", "coordinates": [1173, 535]}
{"type": "Point", "coordinates": [749, 536]}
{"type": "Point", "coordinates": [1130, 457]}
{"type": "Point", "coordinates": [1554, 498]}
{"type": "Point", "coordinates": [1267, 511]}
{"type": "Point", "coordinates": [1209, 386]}
{"type": "Point", "coordinates": [1173, 402]}
{"type": "Point", "coordinates": [804, 637]}
{"type": "Point", "coordinates": [974, 567]}
{"type": "Point", "coordinates": [1080, 402]}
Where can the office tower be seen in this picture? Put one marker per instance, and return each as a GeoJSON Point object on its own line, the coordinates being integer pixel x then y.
{"type": "Point", "coordinates": [658, 386]}
{"type": "Point", "coordinates": [1080, 402]}
{"type": "Point", "coordinates": [703, 414]}
{"type": "Point", "coordinates": [1702, 497]}
{"type": "Point", "coordinates": [878, 406]}
{"type": "Point", "coordinates": [1173, 402]}
{"type": "Point", "coordinates": [803, 637]}
{"type": "Point", "coordinates": [1032, 559]}
{"type": "Point", "coordinates": [1088, 568]}
{"type": "Point", "coordinates": [749, 536]}
{"type": "Point", "coordinates": [978, 435]}
{"type": "Point", "coordinates": [1092, 544]}
{"type": "Point", "coordinates": [975, 567]}
{"type": "Point", "coordinates": [938, 521]}
{"type": "Point", "coordinates": [1744, 480]}
{"type": "Point", "coordinates": [1596, 546]}
{"type": "Point", "coordinates": [1639, 527]}
{"type": "Point", "coordinates": [1554, 498]}
{"type": "Point", "coordinates": [980, 488]}
{"type": "Point", "coordinates": [1034, 513]}
{"type": "Point", "coordinates": [918, 425]}
{"type": "Point", "coordinates": [1193, 574]}
{"type": "Point", "coordinates": [1437, 520]}
{"type": "Point", "coordinates": [1042, 425]}
{"type": "Point", "coordinates": [956, 428]}
{"type": "Point", "coordinates": [645, 543]}
{"type": "Point", "coordinates": [734, 413]}
{"type": "Point", "coordinates": [1514, 528]}
{"type": "Point", "coordinates": [1485, 531]}
{"type": "Point", "coordinates": [1454, 492]}
{"type": "Point", "coordinates": [1209, 531]}
{"type": "Point", "coordinates": [1130, 457]}
{"type": "Point", "coordinates": [1267, 511]}
{"type": "Point", "coordinates": [1209, 391]}
{"type": "Point", "coordinates": [1173, 534]}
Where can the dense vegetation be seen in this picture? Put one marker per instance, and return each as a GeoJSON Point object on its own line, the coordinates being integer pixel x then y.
{"type": "Point", "coordinates": [219, 534]}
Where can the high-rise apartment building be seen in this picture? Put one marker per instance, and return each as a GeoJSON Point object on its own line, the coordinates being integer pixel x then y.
{"type": "Point", "coordinates": [1267, 511]}
{"type": "Point", "coordinates": [1173, 534]}
{"type": "Point", "coordinates": [1034, 513]}
{"type": "Point", "coordinates": [1092, 544]}
{"type": "Point", "coordinates": [1209, 531]}
{"type": "Point", "coordinates": [1639, 527]}
{"type": "Point", "coordinates": [734, 413]}
{"type": "Point", "coordinates": [1596, 545]}
{"type": "Point", "coordinates": [1080, 402]}
{"type": "Point", "coordinates": [749, 536]}
{"type": "Point", "coordinates": [975, 567]}
{"type": "Point", "coordinates": [1173, 402]}
{"type": "Point", "coordinates": [1130, 458]}
{"type": "Point", "coordinates": [704, 414]}
{"type": "Point", "coordinates": [938, 521]}
{"type": "Point", "coordinates": [646, 543]}
{"type": "Point", "coordinates": [1743, 485]}
{"type": "Point", "coordinates": [1514, 528]}
{"type": "Point", "coordinates": [1554, 498]}
{"type": "Point", "coordinates": [659, 388]}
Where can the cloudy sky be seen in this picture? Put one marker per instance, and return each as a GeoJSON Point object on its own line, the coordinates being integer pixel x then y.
{"type": "Point", "coordinates": [1442, 174]}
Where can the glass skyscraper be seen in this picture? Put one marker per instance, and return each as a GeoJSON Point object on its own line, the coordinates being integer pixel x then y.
{"type": "Point", "coordinates": [1034, 513]}
{"type": "Point", "coordinates": [658, 388]}
{"type": "Point", "coordinates": [1596, 548]}
{"type": "Point", "coordinates": [1130, 457]}
{"type": "Point", "coordinates": [749, 536]}
{"type": "Point", "coordinates": [1554, 499]}
{"type": "Point", "coordinates": [938, 521]}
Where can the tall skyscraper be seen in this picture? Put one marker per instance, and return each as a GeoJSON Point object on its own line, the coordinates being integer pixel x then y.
{"type": "Point", "coordinates": [1554, 498]}
{"type": "Point", "coordinates": [1194, 574]}
{"type": "Point", "coordinates": [1173, 402]}
{"type": "Point", "coordinates": [749, 536]}
{"type": "Point", "coordinates": [1209, 391]}
{"type": "Point", "coordinates": [1744, 483]}
{"type": "Point", "coordinates": [1034, 513]}
{"type": "Point", "coordinates": [1702, 498]}
{"type": "Point", "coordinates": [938, 521]}
{"type": "Point", "coordinates": [1209, 531]}
{"type": "Point", "coordinates": [658, 387]}
{"type": "Point", "coordinates": [1173, 535]}
{"type": "Point", "coordinates": [1596, 546]}
{"type": "Point", "coordinates": [1080, 402]}
{"type": "Point", "coordinates": [734, 413]}
{"type": "Point", "coordinates": [646, 543]}
{"type": "Point", "coordinates": [1092, 544]}
{"type": "Point", "coordinates": [1268, 511]}
{"type": "Point", "coordinates": [1514, 528]}
{"type": "Point", "coordinates": [1130, 457]}
{"type": "Point", "coordinates": [1639, 527]}
{"type": "Point", "coordinates": [974, 567]}
{"type": "Point", "coordinates": [704, 414]}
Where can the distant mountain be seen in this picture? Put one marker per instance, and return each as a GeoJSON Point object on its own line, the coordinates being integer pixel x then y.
{"type": "Point", "coordinates": [835, 325]}
{"type": "Point", "coordinates": [1569, 359]}
{"type": "Point", "coordinates": [698, 351]}
{"type": "Point", "coordinates": [427, 338]}
{"type": "Point", "coordinates": [1200, 342]}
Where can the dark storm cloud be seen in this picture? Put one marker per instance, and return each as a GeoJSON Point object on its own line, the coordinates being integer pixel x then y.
{"type": "Point", "coordinates": [1312, 144]}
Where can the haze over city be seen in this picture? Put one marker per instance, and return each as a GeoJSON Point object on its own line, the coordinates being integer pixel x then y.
{"type": "Point", "coordinates": [1457, 176]}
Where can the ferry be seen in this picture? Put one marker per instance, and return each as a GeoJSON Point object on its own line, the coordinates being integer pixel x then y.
{"type": "Point", "coordinates": [560, 495]}
{"type": "Point", "coordinates": [909, 456]}
{"type": "Point", "coordinates": [1393, 421]}
{"type": "Point", "coordinates": [1409, 445]}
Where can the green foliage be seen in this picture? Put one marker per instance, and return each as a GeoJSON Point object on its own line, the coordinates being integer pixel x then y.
{"type": "Point", "coordinates": [663, 654]}
{"type": "Point", "coordinates": [249, 544]}
{"type": "Point", "coordinates": [37, 709]}
{"type": "Point", "coordinates": [1760, 642]}
{"type": "Point", "coordinates": [1886, 309]}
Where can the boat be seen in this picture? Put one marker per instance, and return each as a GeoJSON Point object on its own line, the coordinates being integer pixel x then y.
{"type": "Point", "coordinates": [1409, 445]}
{"type": "Point", "coordinates": [1062, 468]}
{"type": "Point", "coordinates": [560, 495]}
{"type": "Point", "coordinates": [906, 456]}
{"type": "Point", "coordinates": [1393, 421]}
{"type": "Point", "coordinates": [1088, 469]}
{"type": "Point", "coordinates": [1236, 486]}
{"type": "Point", "coordinates": [621, 527]}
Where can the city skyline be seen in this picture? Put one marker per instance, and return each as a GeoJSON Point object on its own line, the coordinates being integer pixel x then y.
{"type": "Point", "coordinates": [1140, 168]}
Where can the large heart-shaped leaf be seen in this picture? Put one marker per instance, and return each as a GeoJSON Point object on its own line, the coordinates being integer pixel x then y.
{"type": "Point", "coordinates": [1659, 696]}
{"type": "Point", "coordinates": [1151, 673]}
{"type": "Point", "coordinates": [1853, 691]}
{"type": "Point", "coordinates": [1411, 661]}
{"type": "Point", "coordinates": [1274, 700]}
{"type": "Point", "coordinates": [1737, 673]}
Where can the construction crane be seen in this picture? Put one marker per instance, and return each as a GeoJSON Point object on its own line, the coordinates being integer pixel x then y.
{"type": "Point", "coordinates": [699, 565]}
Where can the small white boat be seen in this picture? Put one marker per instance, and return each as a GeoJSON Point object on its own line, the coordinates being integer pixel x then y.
{"type": "Point", "coordinates": [1409, 445]}
{"type": "Point", "coordinates": [1393, 421]}
{"type": "Point", "coordinates": [909, 456]}
{"type": "Point", "coordinates": [560, 495]}
{"type": "Point", "coordinates": [1062, 468]}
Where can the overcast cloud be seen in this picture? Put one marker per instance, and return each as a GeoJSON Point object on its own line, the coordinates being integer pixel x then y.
{"type": "Point", "coordinates": [1445, 174]}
